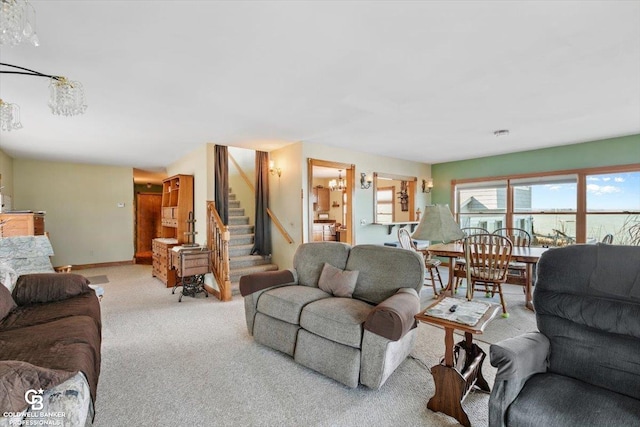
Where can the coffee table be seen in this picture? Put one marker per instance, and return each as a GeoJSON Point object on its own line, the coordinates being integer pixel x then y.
{"type": "Point", "coordinates": [461, 368]}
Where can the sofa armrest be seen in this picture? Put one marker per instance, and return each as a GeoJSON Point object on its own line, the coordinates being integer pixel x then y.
{"type": "Point", "coordinates": [258, 281]}
{"type": "Point", "coordinates": [394, 317]}
{"type": "Point", "coordinates": [48, 287]}
{"type": "Point", "coordinates": [517, 359]}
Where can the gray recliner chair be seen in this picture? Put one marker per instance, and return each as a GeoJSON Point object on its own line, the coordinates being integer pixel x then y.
{"type": "Point", "coordinates": [583, 367]}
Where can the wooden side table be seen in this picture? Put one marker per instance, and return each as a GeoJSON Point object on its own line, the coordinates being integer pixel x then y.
{"type": "Point", "coordinates": [461, 368]}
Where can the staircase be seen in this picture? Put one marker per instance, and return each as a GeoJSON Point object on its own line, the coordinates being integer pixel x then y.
{"type": "Point", "coordinates": [241, 262]}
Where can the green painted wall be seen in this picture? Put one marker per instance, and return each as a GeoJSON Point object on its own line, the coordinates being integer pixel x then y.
{"type": "Point", "coordinates": [607, 152]}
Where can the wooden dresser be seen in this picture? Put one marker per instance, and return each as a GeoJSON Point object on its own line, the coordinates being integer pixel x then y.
{"type": "Point", "coordinates": [21, 224]}
{"type": "Point", "coordinates": [162, 260]}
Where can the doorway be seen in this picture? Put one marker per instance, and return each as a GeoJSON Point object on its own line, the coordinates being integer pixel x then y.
{"type": "Point", "coordinates": [331, 192]}
{"type": "Point", "coordinates": [148, 224]}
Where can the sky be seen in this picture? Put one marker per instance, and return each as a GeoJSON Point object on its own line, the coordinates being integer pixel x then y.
{"type": "Point", "coordinates": [617, 191]}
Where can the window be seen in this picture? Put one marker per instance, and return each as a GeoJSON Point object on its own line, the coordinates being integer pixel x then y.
{"type": "Point", "coordinates": [613, 206]}
{"type": "Point", "coordinates": [482, 205]}
{"type": "Point", "coordinates": [385, 204]}
{"type": "Point", "coordinates": [580, 206]}
{"type": "Point", "coordinates": [546, 207]}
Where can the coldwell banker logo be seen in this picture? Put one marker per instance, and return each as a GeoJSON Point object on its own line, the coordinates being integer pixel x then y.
{"type": "Point", "coordinates": [34, 398]}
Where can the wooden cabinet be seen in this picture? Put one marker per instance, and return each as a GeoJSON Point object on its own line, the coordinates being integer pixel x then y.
{"type": "Point", "coordinates": [324, 232]}
{"type": "Point", "coordinates": [321, 199]}
{"type": "Point", "coordinates": [161, 266]}
{"type": "Point", "coordinates": [21, 224]}
{"type": "Point", "coordinates": [177, 202]}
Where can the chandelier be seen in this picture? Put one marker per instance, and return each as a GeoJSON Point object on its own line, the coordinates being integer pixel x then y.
{"type": "Point", "coordinates": [66, 96]}
{"type": "Point", "coordinates": [340, 184]}
{"type": "Point", "coordinates": [9, 116]}
{"type": "Point", "coordinates": [17, 23]}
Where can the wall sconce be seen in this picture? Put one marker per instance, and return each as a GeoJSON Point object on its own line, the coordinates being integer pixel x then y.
{"type": "Point", "coordinates": [427, 185]}
{"type": "Point", "coordinates": [274, 170]}
{"type": "Point", "coordinates": [365, 181]}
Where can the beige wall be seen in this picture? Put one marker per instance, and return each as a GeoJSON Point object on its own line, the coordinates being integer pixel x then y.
{"type": "Point", "coordinates": [293, 211]}
{"type": "Point", "coordinates": [83, 219]}
{"type": "Point", "coordinates": [198, 163]}
{"type": "Point", "coordinates": [6, 174]}
{"type": "Point", "coordinates": [246, 159]}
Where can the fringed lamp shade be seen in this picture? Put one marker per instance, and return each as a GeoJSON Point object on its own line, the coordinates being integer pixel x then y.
{"type": "Point", "coordinates": [437, 224]}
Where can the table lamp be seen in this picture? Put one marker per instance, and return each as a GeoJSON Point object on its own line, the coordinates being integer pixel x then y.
{"type": "Point", "coordinates": [437, 224]}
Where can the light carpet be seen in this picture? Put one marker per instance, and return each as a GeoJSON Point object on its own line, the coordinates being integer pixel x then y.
{"type": "Point", "coordinates": [166, 363]}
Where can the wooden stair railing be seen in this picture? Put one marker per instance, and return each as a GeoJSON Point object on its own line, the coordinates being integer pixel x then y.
{"type": "Point", "coordinates": [273, 217]}
{"type": "Point", "coordinates": [218, 237]}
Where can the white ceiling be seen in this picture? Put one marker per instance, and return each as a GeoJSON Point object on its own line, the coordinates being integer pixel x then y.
{"type": "Point", "coordinates": [427, 81]}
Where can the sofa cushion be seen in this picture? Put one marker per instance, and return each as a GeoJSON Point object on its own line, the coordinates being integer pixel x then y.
{"type": "Point", "coordinates": [7, 304]}
{"type": "Point", "coordinates": [339, 283]}
{"type": "Point", "coordinates": [310, 258]}
{"type": "Point", "coordinates": [544, 399]}
{"type": "Point", "coordinates": [337, 319]}
{"type": "Point", "coordinates": [384, 270]}
{"type": "Point", "coordinates": [85, 304]}
{"type": "Point", "coordinates": [17, 377]}
{"type": "Point", "coordinates": [286, 303]}
{"type": "Point", "coordinates": [70, 344]}
{"type": "Point", "coordinates": [47, 287]}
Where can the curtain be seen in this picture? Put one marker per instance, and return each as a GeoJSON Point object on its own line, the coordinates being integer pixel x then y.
{"type": "Point", "coordinates": [222, 182]}
{"type": "Point", "coordinates": [262, 238]}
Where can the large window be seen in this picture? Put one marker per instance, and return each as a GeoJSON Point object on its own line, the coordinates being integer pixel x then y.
{"type": "Point", "coordinates": [613, 205]}
{"type": "Point", "coordinates": [482, 205]}
{"type": "Point", "coordinates": [580, 206]}
{"type": "Point", "coordinates": [546, 207]}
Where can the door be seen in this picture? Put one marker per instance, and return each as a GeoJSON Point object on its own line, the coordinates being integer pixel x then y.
{"type": "Point", "coordinates": [148, 224]}
{"type": "Point", "coordinates": [340, 203]}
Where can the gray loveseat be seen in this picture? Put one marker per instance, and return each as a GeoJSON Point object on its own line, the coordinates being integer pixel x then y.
{"type": "Point", "coordinates": [357, 339]}
{"type": "Point", "coordinates": [583, 367]}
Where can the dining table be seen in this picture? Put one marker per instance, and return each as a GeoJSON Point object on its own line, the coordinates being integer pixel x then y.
{"type": "Point", "coordinates": [527, 255]}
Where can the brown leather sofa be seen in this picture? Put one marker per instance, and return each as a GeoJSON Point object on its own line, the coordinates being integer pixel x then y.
{"type": "Point", "coordinates": [50, 337]}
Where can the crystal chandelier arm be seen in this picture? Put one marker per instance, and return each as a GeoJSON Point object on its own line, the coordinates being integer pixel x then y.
{"type": "Point", "coordinates": [26, 71]}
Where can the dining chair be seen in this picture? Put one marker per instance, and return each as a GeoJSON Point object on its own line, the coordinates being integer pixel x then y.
{"type": "Point", "coordinates": [459, 272]}
{"type": "Point", "coordinates": [487, 259]}
{"type": "Point", "coordinates": [607, 239]}
{"type": "Point", "coordinates": [431, 265]}
{"type": "Point", "coordinates": [522, 239]}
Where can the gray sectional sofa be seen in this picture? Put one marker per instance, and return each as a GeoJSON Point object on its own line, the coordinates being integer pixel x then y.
{"type": "Point", "coordinates": [583, 367]}
{"type": "Point", "coordinates": [309, 313]}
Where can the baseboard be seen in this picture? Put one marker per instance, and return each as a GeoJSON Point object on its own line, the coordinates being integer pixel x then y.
{"type": "Point", "coordinates": [101, 264]}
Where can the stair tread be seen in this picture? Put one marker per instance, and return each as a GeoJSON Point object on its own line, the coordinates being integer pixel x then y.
{"type": "Point", "coordinates": [264, 267]}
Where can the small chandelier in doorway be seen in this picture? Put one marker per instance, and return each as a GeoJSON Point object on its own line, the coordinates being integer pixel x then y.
{"type": "Point", "coordinates": [340, 184]}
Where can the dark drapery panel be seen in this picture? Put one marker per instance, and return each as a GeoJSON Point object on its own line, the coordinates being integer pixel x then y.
{"type": "Point", "coordinates": [262, 238]}
{"type": "Point", "coordinates": [222, 182]}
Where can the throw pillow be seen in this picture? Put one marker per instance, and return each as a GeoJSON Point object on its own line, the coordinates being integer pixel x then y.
{"type": "Point", "coordinates": [48, 287]}
{"type": "Point", "coordinates": [6, 302]}
{"type": "Point", "coordinates": [339, 283]}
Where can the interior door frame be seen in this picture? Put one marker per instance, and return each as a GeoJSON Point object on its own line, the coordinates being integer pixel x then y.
{"type": "Point", "coordinates": [350, 172]}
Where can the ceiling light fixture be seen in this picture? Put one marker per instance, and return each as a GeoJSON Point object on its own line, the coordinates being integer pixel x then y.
{"type": "Point", "coordinates": [17, 23]}
{"type": "Point", "coordinates": [66, 96]}
{"type": "Point", "coordinates": [9, 116]}
{"type": "Point", "coordinates": [340, 184]}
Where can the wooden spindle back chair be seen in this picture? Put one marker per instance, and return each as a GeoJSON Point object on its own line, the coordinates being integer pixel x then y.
{"type": "Point", "coordinates": [487, 264]}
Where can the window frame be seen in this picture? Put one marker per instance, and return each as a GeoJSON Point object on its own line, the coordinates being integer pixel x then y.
{"type": "Point", "coordinates": [581, 192]}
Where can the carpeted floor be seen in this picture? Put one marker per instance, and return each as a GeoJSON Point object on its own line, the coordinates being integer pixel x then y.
{"type": "Point", "coordinates": [193, 363]}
